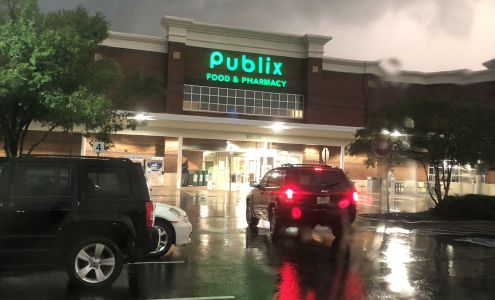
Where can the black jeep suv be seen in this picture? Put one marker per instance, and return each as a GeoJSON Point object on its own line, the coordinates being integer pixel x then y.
{"type": "Point", "coordinates": [89, 215]}
{"type": "Point", "coordinates": [303, 195]}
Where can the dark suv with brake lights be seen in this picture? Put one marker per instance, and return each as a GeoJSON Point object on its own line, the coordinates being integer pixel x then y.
{"type": "Point", "coordinates": [303, 195]}
{"type": "Point", "coordinates": [89, 215]}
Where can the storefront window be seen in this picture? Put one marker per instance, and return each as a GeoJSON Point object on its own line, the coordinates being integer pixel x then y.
{"type": "Point", "coordinates": [462, 174]}
{"type": "Point", "coordinates": [224, 100]}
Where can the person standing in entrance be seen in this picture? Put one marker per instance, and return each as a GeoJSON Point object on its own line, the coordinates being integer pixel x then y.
{"type": "Point", "coordinates": [185, 173]}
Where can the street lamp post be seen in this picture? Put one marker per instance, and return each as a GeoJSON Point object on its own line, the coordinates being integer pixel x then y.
{"type": "Point", "coordinates": [389, 180]}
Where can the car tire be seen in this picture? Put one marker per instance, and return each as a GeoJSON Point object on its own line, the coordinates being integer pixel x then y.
{"type": "Point", "coordinates": [275, 227]}
{"type": "Point", "coordinates": [94, 262]}
{"type": "Point", "coordinates": [250, 218]}
{"type": "Point", "coordinates": [337, 231]}
{"type": "Point", "coordinates": [167, 237]}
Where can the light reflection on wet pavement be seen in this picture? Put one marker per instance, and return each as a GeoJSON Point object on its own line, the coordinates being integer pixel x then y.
{"type": "Point", "coordinates": [377, 260]}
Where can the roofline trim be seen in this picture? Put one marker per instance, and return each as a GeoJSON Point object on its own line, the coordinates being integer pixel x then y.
{"type": "Point", "coordinates": [460, 77]}
{"type": "Point", "coordinates": [246, 122]}
{"type": "Point", "coordinates": [136, 42]}
{"type": "Point", "coordinates": [198, 34]}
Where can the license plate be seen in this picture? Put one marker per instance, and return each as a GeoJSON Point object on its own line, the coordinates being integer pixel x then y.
{"type": "Point", "coordinates": [322, 200]}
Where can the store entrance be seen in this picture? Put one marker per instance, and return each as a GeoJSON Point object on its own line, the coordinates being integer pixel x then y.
{"type": "Point", "coordinates": [224, 164]}
{"type": "Point", "coordinates": [234, 170]}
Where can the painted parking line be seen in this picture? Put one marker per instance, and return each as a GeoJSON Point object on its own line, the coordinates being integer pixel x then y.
{"type": "Point", "coordinates": [478, 241]}
{"type": "Point", "coordinates": [158, 262]}
{"type": "Point", "coordinates": [455, 231]}
{"type": "Point", "coordinates": [198, 298]}
{"type": "Point", "coordinates": [399, 221]}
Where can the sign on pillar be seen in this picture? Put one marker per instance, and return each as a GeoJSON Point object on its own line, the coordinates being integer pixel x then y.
{"type": "Point", "coordinates": [98, 147]}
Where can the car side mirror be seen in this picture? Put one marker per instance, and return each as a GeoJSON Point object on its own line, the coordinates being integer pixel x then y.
{"type": "Point", "coordinates": [253, 184]}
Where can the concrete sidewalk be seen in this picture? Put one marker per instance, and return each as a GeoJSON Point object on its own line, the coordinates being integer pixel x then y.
{"type": "Point", "coordinates": [404, 202]}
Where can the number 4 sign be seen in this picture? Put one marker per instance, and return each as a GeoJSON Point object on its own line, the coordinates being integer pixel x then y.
{"type": "Point", "coordinates": [98, 147]}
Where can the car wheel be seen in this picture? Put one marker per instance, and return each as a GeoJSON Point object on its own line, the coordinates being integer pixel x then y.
{"type": "Point", "coordinates": [250, 218]}
{"type": "Point", "coordinates": [337, 231]}
{"type": "Point", "coordinates": [167, 234]}
{"type": "Point", "coordinates": [275, 227]}
{"type": "Point", "coordinates": [94, 262]}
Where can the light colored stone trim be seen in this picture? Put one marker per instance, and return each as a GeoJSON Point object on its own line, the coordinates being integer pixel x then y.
{"type": "Point", "coordinates": [248, 122]}
{"type": "Point", "coordinates": [205, 35]}
{"type": "Point", "coordinates": [238, 136]}
{"type": "Point", "coordinates": [350, 65]}
{"type": "Point", "coordinates": [135, 42]}
{"type": "Point", "coordinates": [460, 77]}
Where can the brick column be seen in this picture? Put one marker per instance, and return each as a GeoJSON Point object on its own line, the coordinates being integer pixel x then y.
{"type": "Point", "coordinates": [175, 82]}
{"type": "Point", "coordinates": [172, 161]}
{"type": "Point", "coordinates": [313, 70]}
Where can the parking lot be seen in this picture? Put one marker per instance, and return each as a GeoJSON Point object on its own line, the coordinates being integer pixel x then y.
{"type": "Point", "coordinates": [226, 261]}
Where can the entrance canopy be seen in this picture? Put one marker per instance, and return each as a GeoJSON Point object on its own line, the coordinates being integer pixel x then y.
{"type": "Point", "coordinates": [190, 126]}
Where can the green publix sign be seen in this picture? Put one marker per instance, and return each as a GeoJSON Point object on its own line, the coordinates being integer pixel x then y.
{"type": "Point", "coordinates": [260, 71]}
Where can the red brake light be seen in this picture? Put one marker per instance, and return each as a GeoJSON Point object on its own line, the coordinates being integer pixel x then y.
{"type": "Point", "coordinates": [348, 201]}
{"type": "Point", "coordinates": [344, 203]}
{"type": "Point", "coordinates": [318, 169]}
{"type": "Point", "coordinates": [150, 214]}
{"type": "Point", "coordinates": [296, 213]}
{"type": "Point", "coordinates": [355, 196]}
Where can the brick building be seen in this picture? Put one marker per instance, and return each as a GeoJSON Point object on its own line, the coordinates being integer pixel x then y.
{"type": "Point", "coordinates": [254, 100]}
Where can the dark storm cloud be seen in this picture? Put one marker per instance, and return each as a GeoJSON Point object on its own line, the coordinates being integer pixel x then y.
{"type": "Point", "coordinates": [142, 16]}
{"type": "Point", "coordinates": [423, 34]}
{"type": "Point", "coordinates": [452, 17]}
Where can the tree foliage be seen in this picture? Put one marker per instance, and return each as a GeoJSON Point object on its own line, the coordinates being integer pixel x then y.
{"type": "Point", "coordinates": [48, 75]}
{"type": "Point", "coordinates": [439, 132]}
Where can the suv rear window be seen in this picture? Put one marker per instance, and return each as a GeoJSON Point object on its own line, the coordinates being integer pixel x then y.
{"type": "Point", "coordinates": [310, 178]}
{"type": "Point", "coordinates": [276, 178]}
{"type": "Point", "coordinates": [107, 182]}
{"type": "Point", "coordinates": [41, 181]}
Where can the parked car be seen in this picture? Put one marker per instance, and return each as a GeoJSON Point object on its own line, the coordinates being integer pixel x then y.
{"type": "Point", "coordinates": [303, 195]}
{"type": "Point", "coordinates": [89, 215]}
{"type": "Point", "coordinates": [173, 226]}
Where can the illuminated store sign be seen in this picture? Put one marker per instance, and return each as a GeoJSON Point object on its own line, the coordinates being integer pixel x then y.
{"type": "Point", "coordinates": [260, 71]}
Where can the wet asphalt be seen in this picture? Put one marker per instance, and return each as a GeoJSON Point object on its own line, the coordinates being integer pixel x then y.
{"type": "Point", "coordinates": [378, 260]}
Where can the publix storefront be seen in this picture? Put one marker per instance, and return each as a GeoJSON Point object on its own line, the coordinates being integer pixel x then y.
{"type": "Point", "coordinates": [266, 91]}
{"type": "Point", "coordinates": [239, 102]}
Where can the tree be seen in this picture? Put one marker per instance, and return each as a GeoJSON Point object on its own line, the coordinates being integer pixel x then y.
{"type": "Point", "coordinates": [48, 75]}
{"type": "Point", "coordinates": [440, 132]}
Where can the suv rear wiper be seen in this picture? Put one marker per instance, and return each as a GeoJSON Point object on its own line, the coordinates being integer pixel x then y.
{"type": "Point", "coordinates": [330, 185]}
